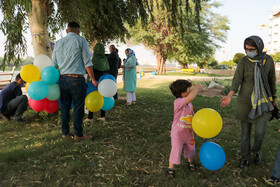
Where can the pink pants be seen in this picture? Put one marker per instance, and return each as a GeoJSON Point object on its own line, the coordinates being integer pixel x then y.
{"type": "Point", "coordinates": [176, 150]}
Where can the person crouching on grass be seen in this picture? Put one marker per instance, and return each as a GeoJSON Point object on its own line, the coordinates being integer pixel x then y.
{"type": "Point", "coordinates": [181, 130]}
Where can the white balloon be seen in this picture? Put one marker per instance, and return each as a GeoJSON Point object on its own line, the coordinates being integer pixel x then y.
{"type": "Point", "coordinates": [107, 88]}
{"type": "Point", "coordinates": [42, 61]}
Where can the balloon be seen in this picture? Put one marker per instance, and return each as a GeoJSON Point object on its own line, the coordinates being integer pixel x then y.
{"type": "Point", "coordinates": [50, 75]}
{"type": "Point", "coordinates": [107, 76]}
{"type": "Point", "coordinates": [38, 90]}
{"type": "Point", "coordinates": [109, 103]}
{"type": "Point", "coordinates": [53, 92]}
{"type": "Point", "coordinates": [207, 123]}
{"type": "Point", "coordinates": [90, 88]}
{"type": "Point", "coordinates": [30, 73]}
{"type": "Point", "coordinates": [27, 85]}
{"type": "Point", "coordinates": [42, 61]}
{"type": "Point", "coordinates": [51, 106]}
{"type": "Point", "coordinates": [107, 88]}
{"type": "Point", "coordinates": [212, 156]}
{"type": "Point", "coordinates": [94, 101]}
{"type": "Point", "coordinates": [38, 106]}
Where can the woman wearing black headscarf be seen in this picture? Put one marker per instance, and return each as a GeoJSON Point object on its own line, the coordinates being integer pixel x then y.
{"type": "Point", "coordinates": [255, 75]}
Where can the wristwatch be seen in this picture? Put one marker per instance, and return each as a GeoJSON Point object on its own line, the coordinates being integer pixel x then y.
{"type": "Point", "coordinates": [274, 97]}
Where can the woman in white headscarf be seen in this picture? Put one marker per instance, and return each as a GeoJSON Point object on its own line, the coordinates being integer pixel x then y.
{"type": "Point", "coordinates": [129, 76]}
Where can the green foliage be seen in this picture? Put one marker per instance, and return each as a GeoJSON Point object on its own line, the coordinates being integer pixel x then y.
{"type": "Point", "coordinates": [237, 57]}
{"type": "Point", "coordinates": [229, 63]}
{"type": "Point", "coordinates": [276, 57]}
{"type": "Point", "coordinates": [100, 20]}
{"type": "Point", "coordinates": [193, 44]}
{"type": "Point", "coordinates": [212, 63]}
{"type": "Point", "coordinates": [13, 26]}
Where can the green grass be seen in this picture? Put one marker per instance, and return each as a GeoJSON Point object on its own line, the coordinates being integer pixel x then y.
{"type": "Point", "coordinates": [130, 149]}
{"type": "Point", "coordinates": [191, 74]}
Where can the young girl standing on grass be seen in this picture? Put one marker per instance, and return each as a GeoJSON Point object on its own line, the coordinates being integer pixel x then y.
{"type": "Point", "coordinates": [181, 131]}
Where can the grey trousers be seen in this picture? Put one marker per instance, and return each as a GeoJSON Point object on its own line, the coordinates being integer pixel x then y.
{"type": "Point", "coordinates": [246, 138]}
{"type": "Point", "coordinates": [16, 107]}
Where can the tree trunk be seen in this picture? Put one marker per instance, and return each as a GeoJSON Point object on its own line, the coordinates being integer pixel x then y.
{"type": "Point", "coordinates": [38, 22]}
{"type": "Point", "coordinates": [160, 59]}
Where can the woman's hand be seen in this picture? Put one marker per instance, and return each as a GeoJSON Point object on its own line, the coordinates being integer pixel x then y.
{"type": "Point", "coordinates": [225, 101]}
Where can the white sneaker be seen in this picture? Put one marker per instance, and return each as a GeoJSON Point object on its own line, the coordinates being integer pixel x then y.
{"type": "Point", "coordinates": [101, 119]}
{"type": "Point", "coordinates": [87, 120]}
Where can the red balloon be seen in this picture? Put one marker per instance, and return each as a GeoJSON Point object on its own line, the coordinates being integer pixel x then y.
{"type": "Point", "coordinates": [37, 105]}
{"type": "Point", "coordinates": [51, 106]}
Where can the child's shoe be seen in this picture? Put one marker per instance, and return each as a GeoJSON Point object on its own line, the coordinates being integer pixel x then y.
{"type": "Point", "coordinates": [192, 166]}
{"type": "Point", "coordinates": [170, 173]}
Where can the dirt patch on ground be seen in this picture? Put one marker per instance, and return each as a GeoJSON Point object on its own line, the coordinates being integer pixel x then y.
{"type": "Point", "coordinates": [210, 92]}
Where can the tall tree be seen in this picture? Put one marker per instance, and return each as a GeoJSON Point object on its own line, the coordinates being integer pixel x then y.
{"type": "Point", "coordinates": [189, 44]}
{"type": "Point", "coordinates": [237, 57]}
{"type": "Point", "coordinates": [100, 20]}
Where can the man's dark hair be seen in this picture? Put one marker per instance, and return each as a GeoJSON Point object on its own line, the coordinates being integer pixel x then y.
{"type": "Point", "coordinates": [250, 42]}
{"type": "Point", "coordinates": [179, 86]}
{"type": "Point", "coordinates": [18, 77]}
{"type": "Point", "coordinates": [113, 47]}
{"type": "Point", "coordinates": [73, 25]}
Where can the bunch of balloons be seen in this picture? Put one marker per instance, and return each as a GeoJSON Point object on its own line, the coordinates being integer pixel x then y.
{"type": "Point", "coordinates": [207, 123]}
{"type": "Point", "coordinates": [101, 97]}
{"type": "Point", "coordinates": [41, 84]}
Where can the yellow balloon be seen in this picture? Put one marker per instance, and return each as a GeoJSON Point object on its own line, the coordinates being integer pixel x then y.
{"type": "Point", "coordinates": [27, 85]}
{"type": "Point", "coordinates": [207, 123]}
{"type": "Point", "coordinates": [94, 101]}
{"type": "Point", "coordinates": [30, 73]}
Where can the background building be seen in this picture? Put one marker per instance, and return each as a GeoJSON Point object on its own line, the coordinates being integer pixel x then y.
{"type": "Point", "coordinates": [273, 44]}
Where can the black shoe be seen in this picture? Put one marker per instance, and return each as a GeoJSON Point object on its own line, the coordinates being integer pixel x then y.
{"type": "Point", "coordinates": [6, 117]}
{"type": "Point", "coordinates": [257, 159]}
{"type": "Point", "coordinates": [244, 164]}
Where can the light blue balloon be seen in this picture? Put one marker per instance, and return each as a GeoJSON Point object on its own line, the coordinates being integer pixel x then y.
{"type": "Point", "coordinates": [109, 103]}
{"type": "Point", "coordinates": [107, 76]}
{"type": "Point", "coordinates": [50, 75]}
{"type": "Point", "coordinates": [38, 90]}
{"type": "Point", "coordinates": [53, 92]}
{"type": "Point", "coordinates": [212, 156]}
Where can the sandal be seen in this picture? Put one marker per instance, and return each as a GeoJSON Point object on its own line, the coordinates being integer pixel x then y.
{"type": "Point", "coordinates": [192, 166]}
{"type": "Point", "coordinates": [272, 181]}
{"type": "Point", "coordinates": [170, 173]}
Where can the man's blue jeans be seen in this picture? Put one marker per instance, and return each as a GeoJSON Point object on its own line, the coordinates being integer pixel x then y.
{"type": "Point", "coordinates": [72, 88]}
{"type": "Point", "coordinates": [246, 137]}
{"type": "Point", "coordinates": [276, 168]}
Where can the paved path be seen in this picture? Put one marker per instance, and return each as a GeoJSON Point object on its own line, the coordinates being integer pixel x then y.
{"type": "Point", "coordinates": [149, 76]}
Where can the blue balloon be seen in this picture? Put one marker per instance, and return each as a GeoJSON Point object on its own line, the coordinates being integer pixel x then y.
{"type": "Point", "coordinates": [38, 90]}
{"type": "Point", "coordinates": [107, 76]}
{"type": "Point", "coordinates": [212, 156]}
{"type": "Point", "coordinates": [53, 92]}
{"type": "Point", "coordinates": [90, 88]}
{"type": "Point", "coordinates": [109, 103]}
{"type": "Point", "coordinates": [50, 75]}
{"type": "Point", "coordinates": [59, 103]}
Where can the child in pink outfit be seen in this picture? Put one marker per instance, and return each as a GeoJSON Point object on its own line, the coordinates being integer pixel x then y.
{"type": "Point", "coordinates": [181, 131]}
